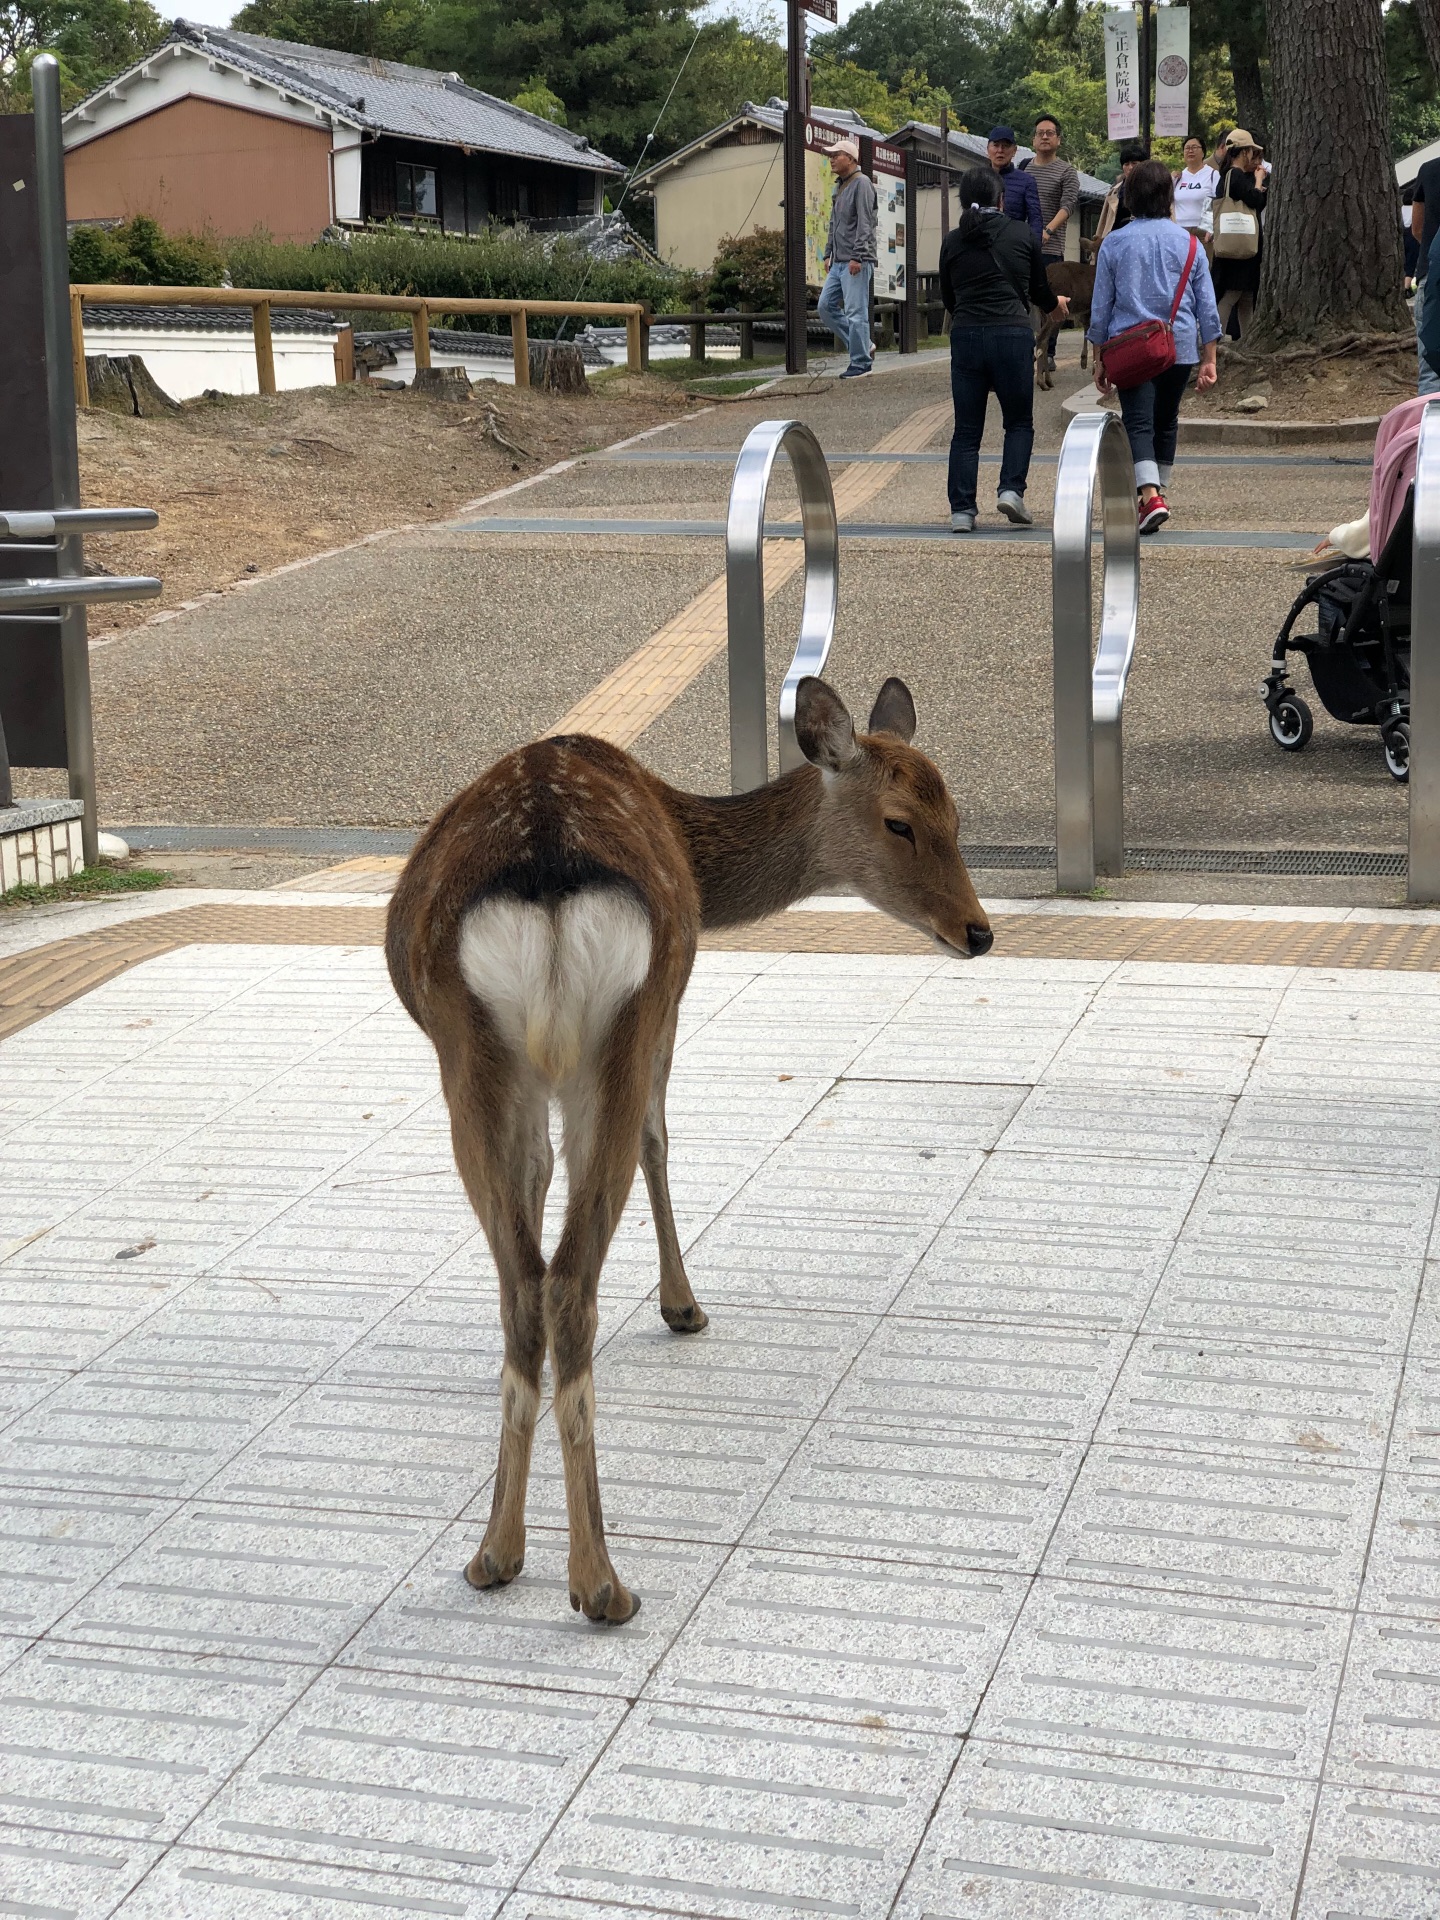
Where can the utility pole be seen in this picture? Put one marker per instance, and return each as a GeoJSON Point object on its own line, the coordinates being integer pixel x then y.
{"type": "Point", "coordinates": [797, 112]}
{"type": "Point", "coordinates": [944, 172]}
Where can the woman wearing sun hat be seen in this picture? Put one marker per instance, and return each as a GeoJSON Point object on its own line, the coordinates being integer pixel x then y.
{"type": "Point", "coordinates": [1237, 273]}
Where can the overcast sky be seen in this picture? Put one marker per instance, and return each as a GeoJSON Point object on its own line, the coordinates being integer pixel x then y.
{"type": "Point", "coordinates": [217, 13]}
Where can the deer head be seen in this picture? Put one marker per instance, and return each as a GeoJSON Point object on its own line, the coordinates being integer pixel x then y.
{"type": "Point", "coordinates": [887, 823]}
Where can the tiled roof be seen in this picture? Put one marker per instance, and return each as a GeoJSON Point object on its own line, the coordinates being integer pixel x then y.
{"type": "Point", "coordinates": [150, 319]}
{"type": "Point", "coordinates": [772, 117]}
{"type": "Point", "coordinates": [382, 96]}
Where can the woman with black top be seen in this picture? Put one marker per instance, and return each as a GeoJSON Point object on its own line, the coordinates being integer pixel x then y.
{"type": "Point", "coordinates": [990, 272]}
{"type": "Point", "coordinates": [1238, 281]}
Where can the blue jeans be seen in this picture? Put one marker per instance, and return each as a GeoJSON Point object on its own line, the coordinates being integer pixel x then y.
{"type": "Point", "coordinates": [1429, 381]}
{"type": "Point", "coordinates": [845, 309]}
{"type": "Point", "coordinates": [1151, 413]}
{"type": "Point", "coordinates": [986, 360]}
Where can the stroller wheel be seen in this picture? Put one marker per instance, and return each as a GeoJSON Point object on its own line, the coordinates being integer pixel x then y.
{"type": "Point", "coordinates": [1291, 724]}
{"type": "Point", "coordinates": [1397, 749]}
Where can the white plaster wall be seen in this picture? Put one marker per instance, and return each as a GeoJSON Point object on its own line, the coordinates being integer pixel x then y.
{"type": "Point", "coordinates": [185, 364]}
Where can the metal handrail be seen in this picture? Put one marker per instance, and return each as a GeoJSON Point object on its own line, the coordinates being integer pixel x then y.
{"type": "Point", "coordinates": [745, 593]}
{"type": "Point", "coordinates": [1423, 876]}
{"type": "Point", "coordinates": [65, 520]}
{"type": "Point", "coordinates": [76, 590]}
{"type": "Point", "coordinates": [1090, 701]}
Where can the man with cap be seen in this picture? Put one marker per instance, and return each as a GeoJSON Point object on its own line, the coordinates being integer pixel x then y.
{"type": "Point", "coordinates": [1021, 193]}
{"type": "Point", "coordinates": [844, 303]}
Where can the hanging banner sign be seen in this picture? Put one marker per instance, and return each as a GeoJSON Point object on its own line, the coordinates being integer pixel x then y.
{"type": "Point", "coordinates": [1122, 74]}
{"type": "Point", "coordinates": [888, 173]}
{"type": "Point", "coordinates": [827, 9]}
{"type": "Point", "coordinates": [1172, 70]}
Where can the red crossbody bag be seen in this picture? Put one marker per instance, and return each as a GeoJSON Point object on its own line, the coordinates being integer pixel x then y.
{"type": "Point", "coordinates": [1143, 352]}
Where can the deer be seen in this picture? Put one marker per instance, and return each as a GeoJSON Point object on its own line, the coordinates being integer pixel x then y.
{"type": "Point", "coordinates": [541, 935]}
{"type": "Point", "coordinates": [1075, 279]}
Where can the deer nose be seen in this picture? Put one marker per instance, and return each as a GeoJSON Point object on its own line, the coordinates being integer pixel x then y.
{"type": "Point", "coordinates": [980, 940]}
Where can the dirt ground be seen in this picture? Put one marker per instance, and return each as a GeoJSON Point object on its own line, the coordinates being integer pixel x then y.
{"type": "Point", "coordinates": [243, 484]}
{"type": "Point", "coordinates": [1310, 386]}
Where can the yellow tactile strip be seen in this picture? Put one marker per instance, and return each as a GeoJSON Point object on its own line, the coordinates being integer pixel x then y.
{"type": "Point", "coordinates": [633, 695]}
{"type": "Point", "coordinates": [38, 982]}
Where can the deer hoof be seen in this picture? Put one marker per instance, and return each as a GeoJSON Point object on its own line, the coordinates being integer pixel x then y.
{"type": "Point", "coordinates": [610, 1604]}
{"type": "Point", "coordinates": [491, 1569]}
{"type": "Point", "coordinates": [691, 1319]}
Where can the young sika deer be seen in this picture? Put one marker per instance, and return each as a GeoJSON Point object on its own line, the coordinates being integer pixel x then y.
{"type": "Point", "coordinates": [542, 934]}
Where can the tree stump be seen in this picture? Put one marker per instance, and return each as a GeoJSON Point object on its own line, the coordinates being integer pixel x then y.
{"type": "Point", "coordinates": [123, 383]}
{"type": "Point", "coordinates": [443, 383]}
{"type": "Point", "coordinates": [558, 366]}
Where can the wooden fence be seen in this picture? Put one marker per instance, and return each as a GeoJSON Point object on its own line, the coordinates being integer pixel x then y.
{"type": "Point", "coordinates": [421, 312]}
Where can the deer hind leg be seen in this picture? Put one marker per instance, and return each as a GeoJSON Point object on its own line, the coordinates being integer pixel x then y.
{"type": "Point", "coordinates": [678, 1307]}
{"type": "Point", "coordinates": [502, 1148]}
{"type": "Point", "coordinates": [604, 1107]}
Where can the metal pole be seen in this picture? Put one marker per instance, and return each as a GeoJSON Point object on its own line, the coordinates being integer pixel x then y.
{"type": "Point", "coordinates": [64, 452]}
{"type": "Point", "coordinates": [1145, 6]}
{"type": "Point", "coordinates": [797, 110]}
{"type": "Point", "coordinates": [1423, 883]}
{"type": "Point", "coordinates": [944, 172]}
{"type": "Point", "coordinates": [745, 593]}
{"type": "Point", "coordinates": [912, 252]}
{"type": "Point", "coordinates": [1089, 707]}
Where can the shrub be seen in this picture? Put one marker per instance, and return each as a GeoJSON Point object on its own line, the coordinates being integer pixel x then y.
{"type": "Point", "coordinates": [504, 263]}
{"type": "Point", "coordinates": [139, 253]}
{"type": "Point", "coordinates": [751, 269]}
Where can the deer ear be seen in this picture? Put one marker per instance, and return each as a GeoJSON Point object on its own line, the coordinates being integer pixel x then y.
{"type": "Point", "coordinates": [893, 711]}
{"type": "Point", "coordinates": [824, 731]}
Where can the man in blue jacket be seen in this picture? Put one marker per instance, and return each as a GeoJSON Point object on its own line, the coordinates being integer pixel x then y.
{"type": "Point", "coordinates": [1022, 192]}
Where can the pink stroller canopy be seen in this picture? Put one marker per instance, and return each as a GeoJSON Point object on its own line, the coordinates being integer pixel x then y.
{"type": "Point", "coordinates": [1394, 469]}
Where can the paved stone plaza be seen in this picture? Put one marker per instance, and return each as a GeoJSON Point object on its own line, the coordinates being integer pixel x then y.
{"type": "Point", "coordinates": [1046, 1524]}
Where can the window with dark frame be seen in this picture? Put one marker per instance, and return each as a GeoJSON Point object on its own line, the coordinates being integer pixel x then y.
{"type": "Point", "coordinates": [417, 191]}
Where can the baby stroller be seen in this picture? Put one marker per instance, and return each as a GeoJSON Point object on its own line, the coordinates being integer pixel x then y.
{"type": "Point", "coordinates": [1359, 653]}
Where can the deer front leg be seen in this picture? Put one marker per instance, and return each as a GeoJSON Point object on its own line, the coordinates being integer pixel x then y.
{"type": "Point", "coordinates": [678, 1307]}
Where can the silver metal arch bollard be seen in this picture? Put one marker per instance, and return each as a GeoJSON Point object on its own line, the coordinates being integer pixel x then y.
{"type": "Point", "coordinates": [1423, 879]}
{"type": "Point", "coordinates": [1090, 703]}
{"type": "Point", "coordinates": [745, 592]}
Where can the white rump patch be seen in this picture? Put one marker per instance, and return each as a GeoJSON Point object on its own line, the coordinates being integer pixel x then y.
{"type": "Point", "coordinates": [553, 978]}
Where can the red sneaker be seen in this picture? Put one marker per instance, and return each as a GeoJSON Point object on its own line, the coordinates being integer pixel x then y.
{"type": "Point", "coordinates": [1153, 513]}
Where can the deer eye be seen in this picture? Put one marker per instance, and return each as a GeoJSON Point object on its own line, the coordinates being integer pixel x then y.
{"type": "Point", "coordinates": [903, 828]}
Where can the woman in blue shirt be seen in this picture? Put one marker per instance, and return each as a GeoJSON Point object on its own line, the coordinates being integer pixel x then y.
{"type": "Point", "coordinates": [1136, 274]}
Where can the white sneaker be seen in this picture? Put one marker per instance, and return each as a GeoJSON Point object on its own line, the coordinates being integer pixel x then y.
{"type": "Point", "coordinates": [1014, 509]}
{"type": "Point", "coordinates": [962, 523]}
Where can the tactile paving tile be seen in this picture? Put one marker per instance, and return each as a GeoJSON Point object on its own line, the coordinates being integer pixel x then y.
{"type": "Point", "coordinates": [526, 1634]}
{"type": "Point", "coordinates": [1415, 1444]}
{"type": "Point", "coordinates": [1045, 1383]}
{"type": "Point", "coordinates": [1264, 1402]}
{"type": "Point", "coordinates": [849, 1640]}
{"type": "Point", "coordinates": [454, 1779]}
{"type": "Point", "coordinates": [205, 1883]}
{"type": "Point", "coordinates": [1068, 1120]}
{"type": "Point", "coordinates": [723, 1814]}
{"type": "Point", "coordinates": [101, 1740]}
{"type": "Point", "coordinates": [1373, 1853]}
{"type": "Point", "coordinates": [125, 1433]}
{"type": "Point", "coordinates": [1402, 1574]}
{"type": "Point", "coordinates": [44, 1874]}
{"type": "Point", "coordinates": [393, 1239]}
{"type": "Point", "coordinates": [669, 1475]}
{"type": "Point", "coordinates": [814, 1178]}
{"type": "Point", "coordinates": [1204, 1682]}
{"type": "Point", "coordinates": [996, 1025]}
{"type": "Point", "coordinates": [1356, 1135]}
{"type": "Point", "coordinates": [1110, 1060]}
{"type": "Point", "coordinates": [937, 1498]}
{"type": "Point", "coordinates": [250, 1330]}
{"type": "Point", "coordinates": [1199, 1523]}
{"type": "Point", "coordinates": [268, 1584]}
{"type": "Point", "coordinates": [1387, 1728]}
{"type": "Point", "coordinates": [803, 1027]}
{"type": "Point", "coordinates": [54, 1547]}
{"type": "Point", "coordinates": [775, 1365]}
{"type": "Point", "coordinates": [859, 1115]}
{"type": "Point", "coordinates": [442, 1337]}
{"type": "Point", "coordinates": [804, 1265]}
{"type": "Point", "coordinates": [21, 1389]}
{"type": "Point", "coordinates": [1019, 1833]}
{"type": "Point", "coordinates": [65, 1321]}
{"type": "Point", "coordinates": [370, 1449]}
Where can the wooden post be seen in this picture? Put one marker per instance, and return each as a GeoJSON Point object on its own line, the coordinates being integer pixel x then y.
{"type": "Point", "coordinates": [420, 334]}
{"type": "Point", "coordinates": [264, 347]}
{"type": "Point", "coordinates": [910, 335]}
{"type": "Point", "coordinates": [520, 346]}
{"type": "Point", "coordinates": [77, 348]}
{"type": "Point", "coordinates": [747, 332]}
{"type": "Point", "coordinates": [637, 339]}
{"type": "Point", "coordinates": [344, 356]}
{"type": "Point", "coordinates": [697, 341]}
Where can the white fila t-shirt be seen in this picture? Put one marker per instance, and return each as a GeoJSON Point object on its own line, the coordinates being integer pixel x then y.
{"type": "Point", "coordinates": [1193, 194]}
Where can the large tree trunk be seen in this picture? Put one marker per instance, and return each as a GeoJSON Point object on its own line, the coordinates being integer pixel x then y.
{"type": "Point", "coordinates": [1333, 260]}
{"type": "Point", "coordinates": [1427, 12]}
{"type": "Point", "coordinates": [1245, 30]}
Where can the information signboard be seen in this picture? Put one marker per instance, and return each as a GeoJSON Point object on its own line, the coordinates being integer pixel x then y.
{"type": "Point", "coordinates": [890, 222]}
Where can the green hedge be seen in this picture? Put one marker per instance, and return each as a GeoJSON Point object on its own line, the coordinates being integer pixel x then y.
{"type": "Point", "coordinates": [140, 253]}
{"type": "Point", "coordinates": [504, 264]}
